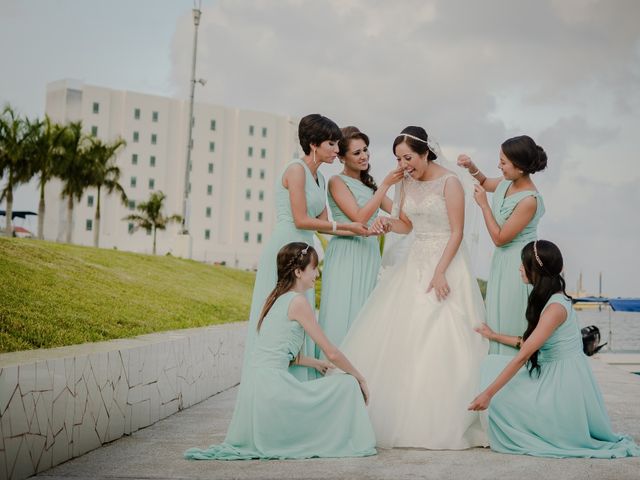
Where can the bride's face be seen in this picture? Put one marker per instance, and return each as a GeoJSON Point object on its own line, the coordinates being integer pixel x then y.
{"type": "Point", "coordinates": [413, 163]}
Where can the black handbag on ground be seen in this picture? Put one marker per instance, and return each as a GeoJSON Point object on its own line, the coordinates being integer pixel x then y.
{"type": "Point", "coordinates": [590, 340]}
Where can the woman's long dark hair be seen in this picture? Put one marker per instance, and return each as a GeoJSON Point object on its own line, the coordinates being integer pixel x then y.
{"type": "Point", "coordinates": [293, 256]}
{"type": "Point", "coordinates": [542, 262]}
{"type": "Point", "coordinates": [352, 133]}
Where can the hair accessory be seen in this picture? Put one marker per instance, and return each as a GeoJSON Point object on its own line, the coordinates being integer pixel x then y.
{"type": "Point", "coordinates": [535, 253]}
{"type": "Point", "coordinates": [305, 250]}
{"type": "Point", "coordinates": [430, 145]}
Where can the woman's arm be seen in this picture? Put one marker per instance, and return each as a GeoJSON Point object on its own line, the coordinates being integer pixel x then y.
{"type": "Point", "coordinates": [552, 317]}
{"type": "Point", "coordinates": [300, 311]}
{"type": "Point", "coordinates": [489, 184]}
{"type": "Point", "coordinates": [520, 217]}
{"type": "Point", "coordinates": [321, 366]}
{"type": "Point", "coordinates": [510, 340]}
{"type": "Point", "coordinates": [454, 199]}
{"type": "Point", "coordinates": [294, 181]}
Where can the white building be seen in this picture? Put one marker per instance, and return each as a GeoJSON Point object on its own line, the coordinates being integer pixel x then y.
{"type": "Point", "coordinates": [235, 158]}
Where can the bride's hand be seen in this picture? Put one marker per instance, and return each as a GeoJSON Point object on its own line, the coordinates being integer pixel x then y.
{"type": "Point", "coordinates": [485, 331]}
{"type": "Point", "coordinates": [323, 366]}
{"type": "Point", "coordinates": [380, 225]}
{"type": "Point", "coordinates": [365, 391]}
{"type": "Point", "coordinates": [358, 228]}
{"type": "Point", "coordinates": [481, 402]}
{"type": "Point", "coordinates": [440, 286]}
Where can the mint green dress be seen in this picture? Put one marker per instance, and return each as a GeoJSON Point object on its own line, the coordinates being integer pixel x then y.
{"type": "Point", "coordinates": [350, 270]}
{"type": "Point", "coordinates": [278, 417]}
{"type": "Point", "coordinates": [285, 232]}
{"type": "Point", "coordinates": [507, 295]}
{"type": "Point", "coordinates": [559, 414]}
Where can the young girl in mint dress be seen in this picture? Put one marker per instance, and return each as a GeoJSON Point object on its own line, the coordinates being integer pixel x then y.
{"type": "Point", "coordinates": [552, 408]}
{"type": "Point", "coordinates": [300, 212]}
{"type": "Point", "coordinates": [512, 222]}
{"type": "Point", "coordinates": [276, 416]}
{"type": "Point", "coordinates": [351, 264]}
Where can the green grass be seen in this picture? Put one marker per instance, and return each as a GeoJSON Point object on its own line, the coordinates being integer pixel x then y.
{"type": "Point", "coordinates": [53, 294]}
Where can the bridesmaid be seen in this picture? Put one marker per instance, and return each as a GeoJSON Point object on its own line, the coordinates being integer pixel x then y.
{"type": "Point", "coordinates": [554, 408]}
{"type": "Point", "coordinates": [351, 264]}
{"type": "Point", "coordinates": [512, 222]}
{"type": "Point", "coordinates": [300, 211]}
{"type": "Point", "coordinates": [278, 417]}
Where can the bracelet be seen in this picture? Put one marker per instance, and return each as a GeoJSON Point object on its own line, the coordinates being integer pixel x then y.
{"type": "Point", "coordinates": [519, 342]}
{"type": "Point", "coordinates": [334, 225]}
{"type": "Point", "coordinates": [476, 172]}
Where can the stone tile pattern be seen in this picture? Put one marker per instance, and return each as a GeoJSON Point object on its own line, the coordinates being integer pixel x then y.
{"type": "Point", "coordinates": [54, 409]}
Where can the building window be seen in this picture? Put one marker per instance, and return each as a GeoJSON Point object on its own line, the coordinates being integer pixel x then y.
{"type": "Point", "coordinates": [264, 131]}
{"type": "Point", "coordinates": [249, 172]}
{"type": "Point", "coordinates": [250, 151]}
{"type": "Point", "coordinates": [247, 194]}
{"type": "Point", "coordinates": [90, 201]}
{"type": "Point", "coordinates": [96, 107]}
{"type": "Point", "coordinates": [152, 184]}
{"type": "Point", "coordinates": [94, 131]}
{"type": "Point", "coordinates": [261, 195]}
{"type": "Point", "coordinates": [132, 204]}
{"type": "Point", "coordinates": [247, 215]}
{"type": "Point", "coordinates": [136, 114]}
{"type": "Point", "coordinates": [259, 238]}
{"type": "Point", "coordinates": [246, 237]}
{"type": "Point", "coordinates": [134, 159]}
{"type": "Point", "coordinates": [262, 174]}
{"type": "Point", "coordinates": [263, 153]}
{"type": "Point", "coordinates": [207, 234]}
{"type": "Point", "coordinates": [152, 161]}
{"type": "Point", "coordinates": [259, 216]}
{"type": "Point", "coordinates": [213, 125]}
{"type": "Point", "coordinates": [251, 129]}
{"type": "Point", "coordinates": [154, 139]}
{"type": "Point", "coordinates": [211, 168]}
{"type": "Point", "coordinates": [208, 212]}
{"type": "Point", "coordinates": [189, 187]}
{"type": "Point", "coordinates": [133, 182]}
{"type": "Point", "coordinates": [209, 189]}
{"type": "Point", "coordinates": [136, 137]}
{"type": "Point", "coordinates": [130, 228]}
{"type": "Point", "coordinates": [154, 117]}
{"type": "Point", "coordinates": [212, 146]}
{"type": "Point", "coordinates": [89, 225]}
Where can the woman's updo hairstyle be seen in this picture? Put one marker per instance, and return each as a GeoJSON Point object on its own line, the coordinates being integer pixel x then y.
{"type": "Point", "coordinates": [315, 129]}
{"type": "Point", "coordinates": [525, 154]}
{"type": "Point", "coordinates": [353, 133]}
{"type": "Point", "coordinates": [419, 146]}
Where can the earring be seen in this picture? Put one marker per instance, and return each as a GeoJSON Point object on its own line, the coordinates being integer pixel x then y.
{"type": "Point", "coordinates": [314, 157]}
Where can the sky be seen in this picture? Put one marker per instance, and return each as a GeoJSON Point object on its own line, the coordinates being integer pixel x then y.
{"type": "Point", "coordinates": [565, 72]}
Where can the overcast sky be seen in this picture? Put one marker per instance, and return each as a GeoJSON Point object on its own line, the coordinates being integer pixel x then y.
{"type": "Point", "coordinates": [566, 72]}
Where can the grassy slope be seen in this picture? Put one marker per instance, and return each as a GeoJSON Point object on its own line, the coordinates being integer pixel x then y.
{"type": "Point", "coordinates": [53, 294]}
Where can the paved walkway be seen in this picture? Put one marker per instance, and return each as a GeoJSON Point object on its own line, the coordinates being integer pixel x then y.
{"type": "Point", "coordinates": [155, 452]}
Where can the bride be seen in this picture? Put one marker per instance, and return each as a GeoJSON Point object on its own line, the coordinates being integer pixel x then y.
{"type": "Point", "coordinates": [414, 338]}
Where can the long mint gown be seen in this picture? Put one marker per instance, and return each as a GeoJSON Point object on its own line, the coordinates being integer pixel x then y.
{"type": "Point", "coordinates": [285, 232]}
{"type": "Point", "coordinates": [506, 293]}
{"type": "Point", "coordinates": [558, 414]}
{"type": "Point", "coordinates": [350, 270]}
{"type": "Point", "coordinates": [279, 417]}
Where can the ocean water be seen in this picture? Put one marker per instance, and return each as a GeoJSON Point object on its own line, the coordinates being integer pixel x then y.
{"type": "Point", "coordinates": [625, 328]}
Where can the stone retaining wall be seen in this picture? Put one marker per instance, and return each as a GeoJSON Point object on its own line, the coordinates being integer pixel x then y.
{"type": "Point", "coordinates": [60, 403]}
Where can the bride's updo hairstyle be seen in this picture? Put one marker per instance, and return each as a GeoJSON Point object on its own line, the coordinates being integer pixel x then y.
{"type": "Point", "coordinates": [542, 262]}
{"type": "Point", "coordinates": [352, 133]}
{"type": "Point", "coordinates": [525, 154]}
{"type": "Point", "coordinates": [315, 129]}
{"type": "Point", "coordinates": [418, 144]}
{"type": "Point", "coordinates": [291, 257]}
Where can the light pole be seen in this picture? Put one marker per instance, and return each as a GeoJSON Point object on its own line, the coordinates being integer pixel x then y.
{"type": "Point", "coordinates": [185, 199]}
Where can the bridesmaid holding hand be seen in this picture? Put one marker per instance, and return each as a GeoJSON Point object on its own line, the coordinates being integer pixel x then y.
{"type": "Point", "coordinates": [512, 221]}
{"type": "Point", "coordinates": [351, 264]}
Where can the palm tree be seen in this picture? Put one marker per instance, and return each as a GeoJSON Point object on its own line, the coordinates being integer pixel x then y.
{"type": "Point", "coordinates": [47, 151]}
{"type": "Point", "coordinates": [73, 169]}
{"type": "Point", "coordinates": [151, 217]}
{"type": "Point", "coordinates": [104, 173]}
{"type": "Point", "coordinates": [15, 135]}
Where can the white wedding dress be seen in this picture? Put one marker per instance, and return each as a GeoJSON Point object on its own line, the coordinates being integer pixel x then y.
{"type": "Point", "coordinates": [421, 357]}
